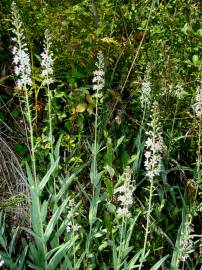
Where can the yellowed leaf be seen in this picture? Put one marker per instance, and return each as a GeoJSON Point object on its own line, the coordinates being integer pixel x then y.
{"type": "Point", "coordinates": [81, 107]}
{"type": "Point", "coordinates": [90, 100]}
{"type": "Point", "coordinates": [110, 40]}
{"type": "Point", "coordinates": [90, 109]}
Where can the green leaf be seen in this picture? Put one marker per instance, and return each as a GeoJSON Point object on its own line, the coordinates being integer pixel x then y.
{"type": "Point", "coordinates": [38, 250]}
{"type": "Point", "coordinates": [130, 230]}
{"type": "Point", "coordinates": [62, 252]}
{"type": "Point", "coordinates": [159, 263]}
{"type": "Point", "coordinates": [68, 180]}
{"type": "Point", "coordinates": [59, 95]}
{"type": "Point", "coordinates": [48, 175]}
{"type": "Point", "coordinates": [109, 186]}
{"type": "Point", "coordinates": [185, 29]}
{"type": "Point", "coordinates": [21, 259]}
{"type": "Point", "coordinates": [103, 246]}
{"type": "Point", "coordinates": [57, 148]}
{"type": "Point", "coordinates": [108, 221]}
{"type": "Point", "coordinates": [98, 177]}
{"type": "Point", "coordinates": [44, 209]}
{"type": "Point", "coordinates": [12, 243]}
{"type": "Point", "coordinates": [2, 117]}
{"type": "Point", "coordinates": [119, 142]}
{"type": "Point", "coordinates": [79, 260]}
{"type": "Point", "coordinates": [8, 261]}
{"type": "Point", "coordinates": [29, 175]}
{"type": "Point", "coordinates": [15, 113]}
{"type": "Point", "coordinates": [2, 242]}
{"type": "Point", "coordinates": [125, 158]}
{"type": "Point", "coordinates": [195, 59]}
{"type": "Point", "coordinates": [53, 220]}
{"type": "Point", "coordinates": [114, 255]}
{"type": "Point", "coordinates": [108, 156]}
{"type": "Point", "coordinates": [21, 149]}
{"type": "Point", "coordinates": [134, 260]}
{"type": "Point", "coordinates": [110, 170]}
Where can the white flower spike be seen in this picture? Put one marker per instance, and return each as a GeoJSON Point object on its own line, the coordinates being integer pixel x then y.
{"type": "Point", "coordinates": [47, 61]}
{"type": "Point", "coordinates": [98, 79]}
{"type": "Point", "coordinates": [21, 59]}
{"type": "Point", "coordinates": [197, 106]}
{"type": "Point", "coordinates": [154, 146]}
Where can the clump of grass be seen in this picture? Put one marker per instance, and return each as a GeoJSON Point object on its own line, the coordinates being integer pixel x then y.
{"type": "Point", "coordinates": [11, 174]}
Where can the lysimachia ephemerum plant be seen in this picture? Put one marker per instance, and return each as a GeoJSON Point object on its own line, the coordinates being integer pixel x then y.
{"type": "Point", "coordinates": [22, 70]}
{"type": "Point", "coordinates": [154, 148]}
{"type": "Point", "coordinates": [197, 107]}
{"type": "Point", "coordinates": [95, 176]}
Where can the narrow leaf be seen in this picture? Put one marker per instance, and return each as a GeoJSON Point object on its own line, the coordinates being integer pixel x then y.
{"type": "Point", "coordinates": [53, 221]}
{"type": "Point", "coordinates": [119, 142]}
{"type": "Point", "coordinates": [59, 255]}
{"type": "Point", "coordinates": [159, 263]}
{"type": "Point", "coordinates": [48, 174]}
{"type": "Point", "coordinates": [12, 243]}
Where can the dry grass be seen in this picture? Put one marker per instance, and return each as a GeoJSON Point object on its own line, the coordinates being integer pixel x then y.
{"type": "Point", "coordinates": [13, 190]}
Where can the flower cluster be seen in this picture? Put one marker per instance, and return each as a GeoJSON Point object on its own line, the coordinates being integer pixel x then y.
{"type": "Point", "coordinates": [145, 98]}
{"type": "Point", "coordinates": [197, 106]}
{"type": "Point", "coordinates": [125, 194]}
{"type": "Point", "coordinates": [186, 241]}
{"type": "Point", "coordinates": [71, 225]}
{"type": "Point", "coordinates": [20, 52]}
{"type": "Point", "coordinates": [154, 145]}
{"type": "Point", "coordinates": [47, 61]}
{"type": "Point", "coordinates": [176, 91]}
{"type": "Point", "coordinates": [98, 78]}
{"type": "Point", "coordinates": [179, 91]}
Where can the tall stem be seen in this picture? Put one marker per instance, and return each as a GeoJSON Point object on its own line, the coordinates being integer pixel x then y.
{"type": "Point", "coordinates": [31, 133]}
{"type": "Point", "coordinates": [148, 221]}
{"type": "Point", "coordinates": [50, 118]}
{"type": "Point", "coordinates": [199, 152]}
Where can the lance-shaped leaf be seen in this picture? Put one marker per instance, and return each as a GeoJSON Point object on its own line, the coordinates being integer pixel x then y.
{"type": "Point", "coordinates": [48, 175]}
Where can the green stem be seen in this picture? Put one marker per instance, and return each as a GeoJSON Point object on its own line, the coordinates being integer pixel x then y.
{"type": "Point", "coordinates": [95, 141]}
{"type": "Point", "coordinates": [148, 221]}
{"type": "Point", "coordinates": [199, 153]}
{"type": "Point", "coordinates": [50, 118]}
{"type": "Point", "coordinates": [172, 129]}
{"type": "Point", "coordinates": [120, 244]}
{"type": "Point", "coordinates": [31, 133]}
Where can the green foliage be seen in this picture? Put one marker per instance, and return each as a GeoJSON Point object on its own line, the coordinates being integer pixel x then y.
{"type": "Point", "coordinates": [80, 143]}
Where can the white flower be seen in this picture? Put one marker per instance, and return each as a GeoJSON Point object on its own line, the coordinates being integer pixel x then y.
{"type": "Point", "coordinates": [154, 146]}
{"type": "Point", "coordinates": [71, 225]}
{"type": "Point", "coordinates": [179, 91]}
{"type": "Point", "coordinates": [145, 98]}
{"type": "Point", "coordinates": [186, 241]}
{"type": "Point", "coordinates": [126, 194]}
{"type": "Point", "coordinates": [47, 61]}
{"type": "Point", "coordinates": [123, 212]}
{"type": "Point", "coordinates": [197, 106]}
{"type": "Point", "coordinates": [98, 79]}
{"type": "Point", "coordinates": [68, 228]}
{"type": "Point", "coordinates": [76, 227]}
{"type": "Point", "coordinates": [21, 59]}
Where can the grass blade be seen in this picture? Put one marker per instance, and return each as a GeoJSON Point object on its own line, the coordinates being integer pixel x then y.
{"type": "Point", "coordinates": [159, 263]}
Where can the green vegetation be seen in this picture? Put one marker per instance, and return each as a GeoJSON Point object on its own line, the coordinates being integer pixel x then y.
{"type": "Point", "coordinates": [100, 134]}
